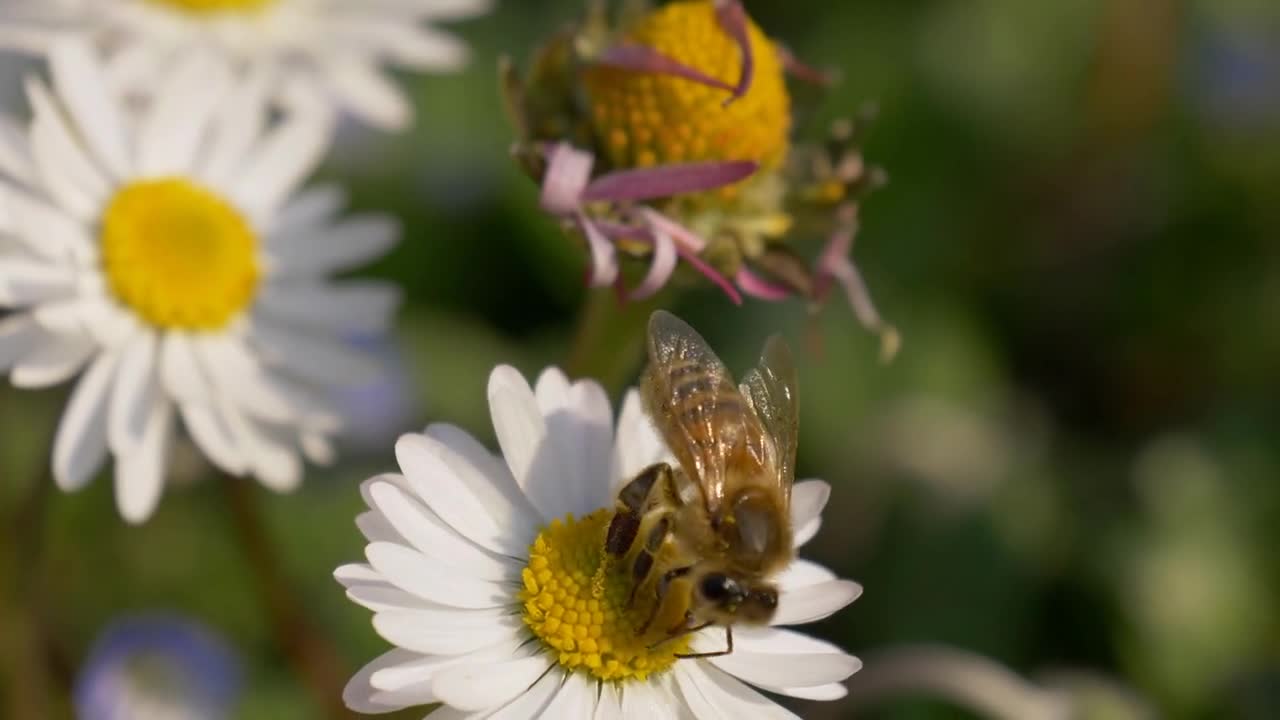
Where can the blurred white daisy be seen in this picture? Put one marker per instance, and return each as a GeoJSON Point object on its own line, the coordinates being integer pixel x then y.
{"type": "Point", "coordinates": [484, 573]}
{"type": "Point", "coordinates": [159, 249]}
{"type": "Point", "coordinates": [157, 667]}
{"type": "Point", "coordinates": [342, 48]}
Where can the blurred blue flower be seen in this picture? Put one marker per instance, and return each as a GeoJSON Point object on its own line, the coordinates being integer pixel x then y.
{"type": "Point", "coordinates": [380, 410]}
{"type": "Point", "coordinates": [1237, 73]}
{"type": "Point", "coordinates": [153, 667]}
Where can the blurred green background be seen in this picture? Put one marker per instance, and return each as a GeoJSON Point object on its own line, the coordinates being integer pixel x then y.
{"type": "Point", "coordinates": [1071, 466]}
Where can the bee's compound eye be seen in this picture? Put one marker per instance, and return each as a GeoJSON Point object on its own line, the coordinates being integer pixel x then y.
{"type": "Point", "coordinates": [719, 588]}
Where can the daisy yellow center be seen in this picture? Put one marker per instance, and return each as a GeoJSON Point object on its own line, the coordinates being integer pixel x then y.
{"type": "Point", "coordinates": [645, 119]}
{"type": "Point", "coordinates": [576, 602]}
{"type": "Point", "coordinates": [214, 6]}
{"type": "Point", "coordinates": [178, 255]}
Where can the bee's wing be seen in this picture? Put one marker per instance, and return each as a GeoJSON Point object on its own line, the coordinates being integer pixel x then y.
{"type": "Point", "coordinates": [698, 409]}
{"type": "Point", "coordinates": [772, 389]}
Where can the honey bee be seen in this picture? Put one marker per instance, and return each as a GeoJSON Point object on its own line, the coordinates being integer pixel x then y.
{"type": "Point", "coordinates": [718, 527]}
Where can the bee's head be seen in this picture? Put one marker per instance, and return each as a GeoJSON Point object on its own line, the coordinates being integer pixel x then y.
{"type": "Point", "coordinates": [730, 600]}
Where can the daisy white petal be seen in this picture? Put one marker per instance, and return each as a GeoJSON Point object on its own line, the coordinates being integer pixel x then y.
{"type": "Point", "coordinates": [214, 437]}
{"type": "Point", "coordinates": [430, 467]}
{"type": "Point", "coordinates": [81, 442]}
{"type": "Point", "coordinates": [447, 631]}
{"type": "Point", "coordinates": [171, 132]}
{"type": "Point", "coordinates": [422, 529]}
{"type": "Point", "coordinates": [360, 86]}
{"type": "Point", "coordinates": [479, 687]}
{"type": "Point", "coordinates": [25, 281]}
{"type": "Point", "coordinates": [576, 699]}
{"type": "Point", "coordinates": [814, 602]}
{"type": "Point", "coordinates": [532, 702]}
{"type": "Point", "coordinates": [15, 155]}
{"type": "Point", "coordinates": [348, 306]}
{"type": "Point", "coordinates": [416, 573]}
{"type": "Point", "coordinates": [78, 78]}
{"type": "Point", "coordinates": [134, 395]}
{"type": "Point", "coordinates": [55, 361]}
{"type": "Point", "coordinates": [283, 158]}
{"type": "Point", "coordinates": [301, 249]}
{"type": "Point", "coordinates": [236, 128]}
{"type": "Point", "coordinates": [141, 471]}
{"type": "Point", "coordinates": [808, 498]}
{"type": "Point", "coordinates": [358, 694]}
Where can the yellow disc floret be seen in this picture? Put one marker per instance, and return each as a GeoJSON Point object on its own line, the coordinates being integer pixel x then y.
{"type": "Point", "coordinates": [578, 602]}
{"type": "Point", "coordinates": [214, 6]}
{"type": "Point", "coordinates": [178, 255]}
{"type": "Point", "coordinates": [644, 119]}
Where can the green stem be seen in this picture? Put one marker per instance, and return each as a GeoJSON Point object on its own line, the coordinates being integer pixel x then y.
{"type": "Point", "coordinates": [313, 659]}
{"type": "Point", "coordinates": [608, 344]}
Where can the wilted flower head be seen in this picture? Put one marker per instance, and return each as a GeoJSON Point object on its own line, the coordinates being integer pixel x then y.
{"type": "Point", "coordinates": [157, 668]}
{"type": "Point", "coordinates": [667, 135]}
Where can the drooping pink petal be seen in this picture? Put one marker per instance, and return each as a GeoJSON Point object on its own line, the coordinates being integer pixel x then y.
{"type": "Point", "coordinates": [604, 258]}
{"type": "Point", "coordinates": [688, 244]}
{"type": "Point", "coordinates": [802, 70]}
{"type": "Point", "coordinates": [642, 58]}
{"type": "Point", "coordinates": [835, 263]}
{"type": "Point", "coordinates": [666, 181]}
{"type": "Point", "coordinates": [757, 287]}
{"type": "Point", "coordinates": [733, 18]}
{"type": "Point", "coordinates": [568, 173]}
{"type": "Point", "coordinates": [664, 263]}
{"type": "Point", "coordinates": [682, 235]}
{"type": "Point", "coordinates": [712, 274]}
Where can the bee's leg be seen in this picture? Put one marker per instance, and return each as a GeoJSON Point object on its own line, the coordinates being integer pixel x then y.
{"type": "Point", "coordinates": [643, 564]}
{"type": "Point", "coordinates": [630, 507]}
{"type": "Point", "coordinates": [660, 594]}
{"type": "Point", "coordinates": [728, 636]}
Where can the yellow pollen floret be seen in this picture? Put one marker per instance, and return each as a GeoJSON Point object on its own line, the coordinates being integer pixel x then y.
{"type": "Point", "coordinates": [644, 119]}
{"type": "Point", "coordinates": [214, 6]}
{"type": "Point", "coordinates": [576, 602]}
{"type": "Point", "coordinates": [178, 255]}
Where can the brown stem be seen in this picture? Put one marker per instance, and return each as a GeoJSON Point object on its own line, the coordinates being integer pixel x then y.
{"type": "Point", "coordinates": [312, 658]}
{"type": "Point", "coordinates": [28, 672]}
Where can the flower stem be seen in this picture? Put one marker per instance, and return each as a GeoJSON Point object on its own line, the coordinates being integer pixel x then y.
{"type": "Point", "coordinates": [312, 658]}
{"type": "Point", "coordinates": [608, 344]}
{"type": "Point", "coordinates": [40, 674]}
{"type": "Point", "coordinates": [966, 679]}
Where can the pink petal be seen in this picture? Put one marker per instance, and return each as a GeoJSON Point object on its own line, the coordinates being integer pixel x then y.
{"type": "Point", "coordinates": [642, 58]}
{"type": "Point", "coordinates": [604, 259]}
{"type": "Point", "coordinates": [664, 263]}
{"type": "Point", "coordinates": [757, 287]}
{"type": "Point", "coordinates": [568, 173]}
{"type": "Point", "coordinates": [667, 180]}
{"type": "Point", "coordinates": [688, 245]}
{"type": "Point", "coordinates": [683, 235]}
{"type": "Point", "coordinates": [804, 71]}
{"type": "Point", "coordinates": [733, 18]}
{"type": "Point", "coordinates": [836, 263]}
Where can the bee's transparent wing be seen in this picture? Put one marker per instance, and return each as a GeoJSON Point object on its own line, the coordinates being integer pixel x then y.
{"type": "Point", "coordinates": [772, 389]}
{"type": "Point", "coordinates": [699, 410]}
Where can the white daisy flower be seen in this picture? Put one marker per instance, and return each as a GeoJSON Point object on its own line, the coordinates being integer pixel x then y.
{"type": "Point", "coordinates": [159, 249]}
{"type": "Point", "coordinates": [487, 575]}
{"type": "Point", "coordinates": [342, 48]}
